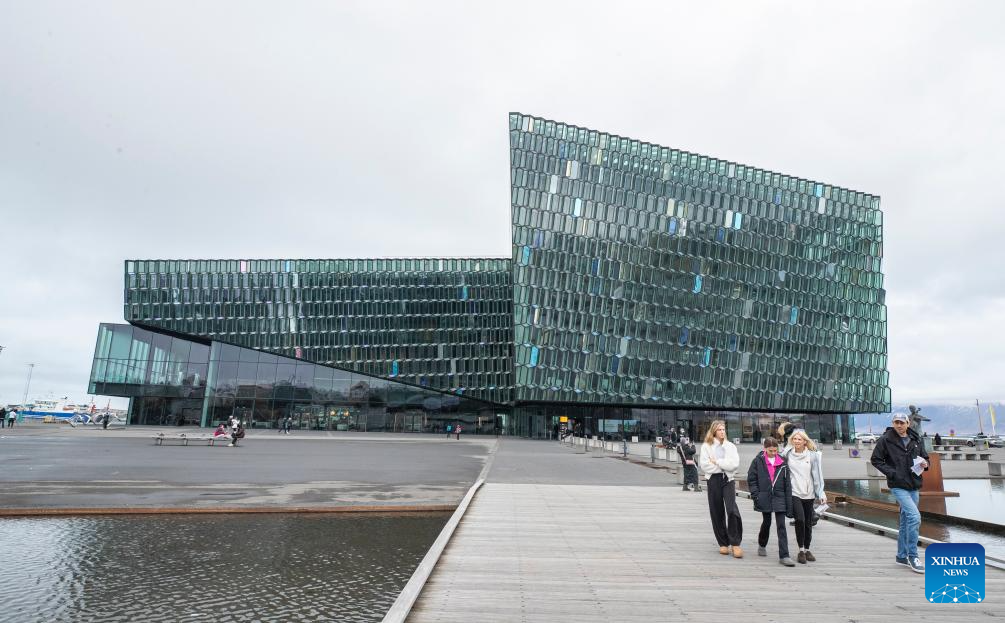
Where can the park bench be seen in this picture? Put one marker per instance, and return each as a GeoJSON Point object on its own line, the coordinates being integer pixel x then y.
{"type": "Point", "coordinates": [996, 469]}
{"type": "Point", "coordinates": [184, 439]}
{"type": "Point", "coordinates": [942, 455]}
{"type": "Point", "coordinates": [984, 456]}
{"type": "Point", "coordinates": [970, 456]}
{"type": "Point", "coordinates": [956, 456]}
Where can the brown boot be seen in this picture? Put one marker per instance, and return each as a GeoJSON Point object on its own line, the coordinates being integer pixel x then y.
{"type": "Point", "coordinates": [724, 550]}
{"type": "Point", "coordinates": [801, 558]}
{"type": "Point", "coordinates": [737, 551]}
{"type": "Point", "coordinates": [810, 557]}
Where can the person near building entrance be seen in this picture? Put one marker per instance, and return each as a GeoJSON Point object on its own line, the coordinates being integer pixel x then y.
{"type": "Point", "coordinates": [771, 489]}
{"type": "Point", "coordinates": [806, 473]}
{"type": "Point", "coordinates": [686, 452]}
{"type": "Point", "coordinates": [719, 460]}
{"type": "Point", "coordinates": [901, 456]}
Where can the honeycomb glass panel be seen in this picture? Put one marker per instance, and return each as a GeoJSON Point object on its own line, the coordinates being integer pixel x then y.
{"type": "Point", "coordinates": [735, 287]}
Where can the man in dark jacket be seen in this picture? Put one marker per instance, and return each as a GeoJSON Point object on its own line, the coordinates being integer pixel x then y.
{"type": "Point", "coordinates": [770, 488]}
{"type": "Point", "coordinates": [901, 456]}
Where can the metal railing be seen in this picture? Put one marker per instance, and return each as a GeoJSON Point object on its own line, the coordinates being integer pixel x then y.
{"type": "Point", "coordinates": [886, 531]}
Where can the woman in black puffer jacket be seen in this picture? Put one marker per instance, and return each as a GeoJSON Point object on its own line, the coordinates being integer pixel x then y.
{"type": "Point", "coordinates": [771, 490]}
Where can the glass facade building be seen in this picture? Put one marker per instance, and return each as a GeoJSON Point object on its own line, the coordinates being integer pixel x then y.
{"type": "Point", "coordinates": [173, 380]}
{"type": "Point", "coordinates": [645, 275]}
{"type": "Point", "coordinates": [648, 287]}
{"type": "Point", "coordinates": [441, 323]}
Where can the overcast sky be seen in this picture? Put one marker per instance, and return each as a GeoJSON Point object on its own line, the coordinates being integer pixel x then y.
{"type": "Point", "coordinates": [339, 129]}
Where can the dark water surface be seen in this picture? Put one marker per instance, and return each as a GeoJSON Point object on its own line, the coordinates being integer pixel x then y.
{"type": "Point", "coordinates": [271, 567]}
{"type": "Point", "coordinates": [981, 499]}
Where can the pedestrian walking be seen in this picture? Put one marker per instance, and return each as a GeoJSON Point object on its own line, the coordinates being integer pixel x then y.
{"type": "Point", "coordinates": [784, 432]}
{"type": "Point", "coordinates": [457, 432]}
{"type": "Point", "coordinates": [902, 458]}
{"type": "Point", "coordinates": [719, 460]}
{"type": "Point", "coordinates": [938, 440]}
{"type": "Point", "coordinates": [105, 420]}
{"type": "Point", "coordinates": [686, 452]}
{"type": "Point", "coordinates": [11, 418]}
{"type": "Point", "coordinates": [288, 424]}
{"type": "Point", "coordinates": [674, 437]}
{"type": "Point", "coordinates": [238, 433]}
{"type": "Point", "coordinates": [771, 489]}
{"type": "Point", "coordinates": [450, 429]}
{"type": "Point", "coordinates": [806, 473]}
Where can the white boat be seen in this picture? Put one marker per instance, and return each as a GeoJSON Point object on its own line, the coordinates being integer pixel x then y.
{"type": "Point", "coordinates": [50, 407]}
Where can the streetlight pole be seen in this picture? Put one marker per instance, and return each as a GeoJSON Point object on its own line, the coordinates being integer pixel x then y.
{"type": "Point", "coordinates": [24, 401]}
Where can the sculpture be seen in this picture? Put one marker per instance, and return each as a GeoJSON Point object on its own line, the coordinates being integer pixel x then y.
{"type": "Point", "coordinates": [917, 419]}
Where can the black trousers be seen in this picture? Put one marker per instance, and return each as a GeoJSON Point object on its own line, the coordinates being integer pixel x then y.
{"type": "Point", "coordinates": [690, 475]}
{"type": "Point", "coordinates": [803, 510]}
{"type": "Point", "coordinates": [726, 521]}
{"type": "Point", "coordinates": [783, 537]}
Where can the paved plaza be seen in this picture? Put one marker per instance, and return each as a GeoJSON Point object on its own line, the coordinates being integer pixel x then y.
{"type": "Point", "coordinates": [56, 466]}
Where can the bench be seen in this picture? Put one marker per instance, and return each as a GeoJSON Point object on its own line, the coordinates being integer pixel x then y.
{"type": "Point", "coordinates": [183, 439]}
{"type": "Point", "coordinates": [970, 456]}
{"type": "Point", "coordinates": [984, 456]}
{"type": "Point", "coordinates": [956, 456]}
{"type": "Point", "coordinates": [996, 469]}
{"type": "Point", "coordinates": [942, 455]}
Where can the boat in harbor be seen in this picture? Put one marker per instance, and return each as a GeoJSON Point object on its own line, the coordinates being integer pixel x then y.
{"type": "Point", "coordinates": [52, 407]}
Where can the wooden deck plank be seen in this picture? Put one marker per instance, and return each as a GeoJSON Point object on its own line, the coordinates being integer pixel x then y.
{"type": "Point", "coordinates": [536, 552]}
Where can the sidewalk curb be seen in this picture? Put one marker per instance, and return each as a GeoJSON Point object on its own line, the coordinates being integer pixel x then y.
{"type": "Point", "coordinates": [402, 606]}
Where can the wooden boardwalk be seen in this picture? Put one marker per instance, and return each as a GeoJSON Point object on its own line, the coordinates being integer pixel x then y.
{"type": "Point", "coordinates": [583, 553]}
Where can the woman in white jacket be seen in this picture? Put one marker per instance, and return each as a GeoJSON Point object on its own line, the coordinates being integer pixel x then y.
{"type": "Point", "coordinates": [719, 460]}
{"type": "Point", "coordinates": [806, 474]}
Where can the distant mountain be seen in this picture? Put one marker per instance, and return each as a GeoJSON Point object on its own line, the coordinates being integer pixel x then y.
{"type": "Point", "coordinates": [946, 417]}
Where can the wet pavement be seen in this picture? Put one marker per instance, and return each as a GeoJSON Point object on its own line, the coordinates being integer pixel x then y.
{"type": "Point", "coordinates": [58, 467]}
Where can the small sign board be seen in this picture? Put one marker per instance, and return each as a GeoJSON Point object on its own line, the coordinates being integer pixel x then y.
{"type": "Point", "coordinates": [635, 438]}
{"type": "Point", "coordinates": [563, 418]}
{"type": "Point", "coordinates": [659, 440]}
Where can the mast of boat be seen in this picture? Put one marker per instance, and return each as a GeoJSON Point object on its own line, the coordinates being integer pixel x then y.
{"type": "Point", "coordinates": [980, 420]}
{"type": "Point", "coordinates": [27, 384]}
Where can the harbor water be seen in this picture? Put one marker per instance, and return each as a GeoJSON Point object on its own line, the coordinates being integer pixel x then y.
{"type": "Point", "coordinates": [240, 567]}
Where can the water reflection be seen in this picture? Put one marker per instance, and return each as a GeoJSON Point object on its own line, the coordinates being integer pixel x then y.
{"type": "Point", "coordinates": [209, 567]}
{"type": "Point", "coordinates": [979, 499]}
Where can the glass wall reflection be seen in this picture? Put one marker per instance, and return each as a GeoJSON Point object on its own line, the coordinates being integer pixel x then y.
{"type": "Point", "coordinates": [544, 422]}
{"type": "Point", "coordinates": [172, 381]}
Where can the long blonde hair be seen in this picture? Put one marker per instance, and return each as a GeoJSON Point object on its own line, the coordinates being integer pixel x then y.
{"type": "Point", "coordinates": [710, 433]}
{"type": "Point", "coordinates": [809, 442]}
